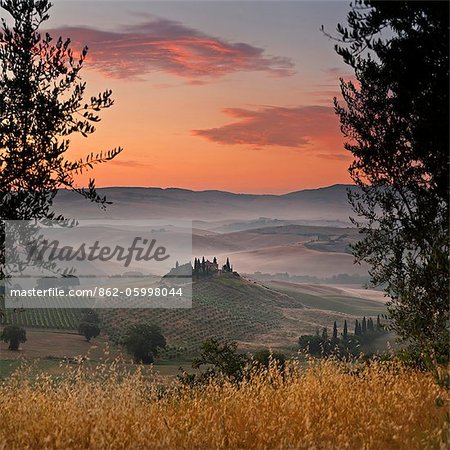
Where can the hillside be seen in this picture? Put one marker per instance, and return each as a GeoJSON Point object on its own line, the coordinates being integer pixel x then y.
{"type": "Point", "coordinates": [297, 249]}
{"type": "Point", "coordinates": [241, 309]}
{"type": "Point", "coordinates": [323, 204]}
{"type": "Point", "coordinates": [341, 299]}
{"type": "Point", "coordinates": [272, 313]}
{"type": "Point", "coordinates": [227, 306]}
{"type": "Point", "coordinates": [303, 233]}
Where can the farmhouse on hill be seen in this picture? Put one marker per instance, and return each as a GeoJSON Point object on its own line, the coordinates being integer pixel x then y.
{"type": "Point", "coordinates": [205, 267]}
{"type": "Point", "coordinates": [202, 268]}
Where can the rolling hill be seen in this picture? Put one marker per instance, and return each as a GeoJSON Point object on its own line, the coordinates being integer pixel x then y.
{"type": "Point", "coordinates": [270, 314]}
{"type": "Point", "coordinates": [319, 205]}
{"type": "Point", "coordinates": [321, 251]}
{"type": "Point", "coordinates": [241, 309]}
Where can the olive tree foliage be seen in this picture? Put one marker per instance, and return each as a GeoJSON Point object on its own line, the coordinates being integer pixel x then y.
{"type": "Point", "coordinates": [42, 104]}
{"type": "Point", "coordinates": [395, 118]}
{"type": "Point", "coordinates": [217, 359]}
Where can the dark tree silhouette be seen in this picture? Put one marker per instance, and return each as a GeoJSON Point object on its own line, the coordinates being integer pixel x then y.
{"type": "Point", "coordinates": [357, 328]}
{"type": "Point", "coordinates": [41, 106]}
{"type": "Point", "coordinates": [364, 325]}
{"type": "Point", "coordinates": [345, 332]}
{"type": "Point", "coordinates": [264, 357]}
{"type": "Point", "coordinates": [395, 118]}
{"type": "Point", "coordinates": [335, 331]}
{"type": "Point", "coordinates": [143, 342]}
{"type": "Point", "coordinates": [89, 330]}
{"type": "Point", "coordinates": [221, 358]}
{"type": "Point", "coordinates": [14, 335]}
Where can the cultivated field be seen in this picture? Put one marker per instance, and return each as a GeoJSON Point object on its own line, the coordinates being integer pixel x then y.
{"type": "Point", "coordinates": [55, 318]}
{"type": "Point", "coordinates": [256, 315]}
{"type": "Point", "coordinates": [351, 301]}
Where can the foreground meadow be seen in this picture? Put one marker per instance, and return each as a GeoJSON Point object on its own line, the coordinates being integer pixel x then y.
{"type": "Point", "coordinates": [324, 406]}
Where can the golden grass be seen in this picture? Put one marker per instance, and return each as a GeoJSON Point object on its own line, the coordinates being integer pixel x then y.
{"type": "Point", "coordinates": [324, 406]}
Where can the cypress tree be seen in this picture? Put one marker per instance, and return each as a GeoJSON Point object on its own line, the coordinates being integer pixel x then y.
{"type": "Point", "coordinates": [364, 325]}
{"type": "Point", "coordinates": [356, 327]}
{"type": "Point", "coordinates": [325, 334]}
{"type": "Point", "coordinates": [345, 333]}
{"type": "Point", "coordinates": [335, 331]}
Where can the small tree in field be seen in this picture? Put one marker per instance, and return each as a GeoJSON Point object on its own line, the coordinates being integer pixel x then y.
{"type": "Point", "coordinates": [143, 342]}
{"type": "Point", "coordinates": [265, 357]}
{"type": "Point", "coordinates": [15, 335]}
{"type": "Point", "coordinates": [88, 330]}
{"type": "Point", "coordinates": [221, 358]}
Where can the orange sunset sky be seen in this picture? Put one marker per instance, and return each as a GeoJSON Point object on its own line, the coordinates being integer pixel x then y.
{"type": "Point", "coordinates": [234, 96]}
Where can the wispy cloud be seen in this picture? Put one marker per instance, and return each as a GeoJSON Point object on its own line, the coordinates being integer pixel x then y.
{"type": "Point", "coordinates": [335, 156]}
{"type": "Point", "coordinates": [168, 46]}
{"type": "Point", "coordinates": [299, 127]}
{"type": "Point", "coordinates": [130, 163]}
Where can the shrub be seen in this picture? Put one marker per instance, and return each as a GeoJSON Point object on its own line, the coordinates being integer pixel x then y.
{"type": "Point", "coordinates": [88, 330]}
{"type": "Point", "coordinates": [264, 357]}
{"type": "Point", "coordinates": [15, 335]}
{"type": "Point", "coordinates": [143, 341]}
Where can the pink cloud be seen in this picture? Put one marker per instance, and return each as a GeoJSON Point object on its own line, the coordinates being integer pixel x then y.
{"type": "Point", "coordinates": [167, 46]}
{"type": "Point", "coordinates": [299, 127]}
{"type": "Point", "coordinates": [335, 156]}
{"type": "Point", "coordinates": [130, 163]}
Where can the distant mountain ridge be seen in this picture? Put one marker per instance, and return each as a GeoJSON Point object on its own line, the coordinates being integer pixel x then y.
{"type": "Point", "coordinates": [327, 203]}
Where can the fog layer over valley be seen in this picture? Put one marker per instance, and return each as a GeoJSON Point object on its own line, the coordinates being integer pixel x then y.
{"type": "Point", "coordinates": [302, 233]}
